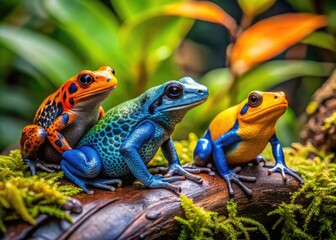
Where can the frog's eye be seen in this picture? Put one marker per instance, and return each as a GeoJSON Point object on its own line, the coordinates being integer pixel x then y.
{"type": "Point", "coordinates": [174, 90]}
{"type": "Point", "coordinates": [85, 80]}
{"type": "Point", "coordinates": [254, 99]}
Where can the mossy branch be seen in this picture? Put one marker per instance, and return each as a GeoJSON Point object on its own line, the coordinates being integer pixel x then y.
{"type": "Point", "coordinates": [23, 196]}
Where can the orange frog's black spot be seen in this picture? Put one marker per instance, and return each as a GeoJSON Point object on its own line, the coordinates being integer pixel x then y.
{"type": "Point", "coordinates": [64, 96]}
{"type": "Point", "coordinates": [73, 88]}
{"type": "Point", "coordinates": [58, 143]}
{"type": "Point", "coordinates": [71, 101]}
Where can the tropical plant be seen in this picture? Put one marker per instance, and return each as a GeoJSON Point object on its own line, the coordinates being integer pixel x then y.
{"type": "Point", "coordinates": [46, 42]}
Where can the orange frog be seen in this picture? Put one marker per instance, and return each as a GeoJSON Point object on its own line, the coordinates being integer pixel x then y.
{"type": "Point", "coordinates": [64, 117]}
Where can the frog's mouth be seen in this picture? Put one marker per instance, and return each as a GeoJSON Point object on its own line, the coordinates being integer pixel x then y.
{"type": "Point", "coordinates": [184, 106]}
{"type": "Point", "coordinates": [272, 109]}
{"type": "Point", "coordinates": [95, 93]}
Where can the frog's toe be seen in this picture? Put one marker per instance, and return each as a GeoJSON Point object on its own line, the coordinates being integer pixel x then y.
{"type": "Point", "coordinates": [31, 164]}
{"type": "Point", "coordinates": [178, 169]}
{"type": "Point", "coordinates": [163, 182]}
{"type": "Point", "coordinates": [232, 176]}
{"type": "Point", "coordinates": [193, 168]}
{"type": "Point", "coordinates": [35, 164]}
{"type": "Point", "coordinates": [173, 179]}
{"type": "Point", "coordinates": [73, 205]}
{"type": "Point", "coordinates": [279, 167]}
{"type": "Point", "coordinates": [105, 183]}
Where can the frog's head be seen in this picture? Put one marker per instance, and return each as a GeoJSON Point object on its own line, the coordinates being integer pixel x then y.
{"type": "Point", "coordinates": [174, 98]}
{"type": "Point", "coordinates": [263, 107]}
{"type": "Point", "coordinates": [88, 88]}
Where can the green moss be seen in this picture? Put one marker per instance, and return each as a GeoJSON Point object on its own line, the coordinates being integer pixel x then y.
{"type": "Point", "coordinates": [201, 224]}
{"type": "Point", "coordinates": [314, 204]}
{"type": "Point", "coordinates": [329, 122]}
{"type": "Point", "coordinates": [310, 214]}
{"type": "Point", "coordinates": [23, 196]}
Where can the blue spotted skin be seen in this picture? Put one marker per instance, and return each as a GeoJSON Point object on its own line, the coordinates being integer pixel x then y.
{"type": "Point", "coordinates": [129, 135]}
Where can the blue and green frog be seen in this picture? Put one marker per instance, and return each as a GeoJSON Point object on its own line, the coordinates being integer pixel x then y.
{"type": "Point", "coordinates": [239, 134]}
{"type": "Point", "coordinates": [128, 136]}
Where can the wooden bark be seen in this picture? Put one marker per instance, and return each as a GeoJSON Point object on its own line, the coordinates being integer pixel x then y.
{"type": "Point", "coordinates": [133, 212]}
{"type": "Point", "coordinates": [324, 100]}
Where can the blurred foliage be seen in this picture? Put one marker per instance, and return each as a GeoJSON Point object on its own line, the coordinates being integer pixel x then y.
{"type": "Point", "coordinates": [23, 196]}
{"type": "Point", "coordinates": [44, 42]}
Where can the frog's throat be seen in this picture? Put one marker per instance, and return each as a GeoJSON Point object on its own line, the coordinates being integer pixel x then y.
{"type": "Point", "coordinates": [90, 95]}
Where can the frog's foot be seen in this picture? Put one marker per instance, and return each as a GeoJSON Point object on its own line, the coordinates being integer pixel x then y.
{"type": "Point", "coordinates": [189, 167]}
{"type": "Point", "coordinates": [194, 168]}
{"type": "Point", "coordinates": [283, 169]}
{"type": "Point", "coordinates": [232, 176]}
{"type": "Point", "coordinates": [178, 169]}
{"type": "Point", "coordinates": [259, 159]}
{"type": "Point", "coordinates": [99, 183]}
{"type": "Point", "coordinates": [36, 164]}
{"type": "Point", "coordinates": [164, 182]}
{"type": "Point", "coordinates": [73, 205]}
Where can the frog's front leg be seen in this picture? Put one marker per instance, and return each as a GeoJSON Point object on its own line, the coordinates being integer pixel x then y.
{"type": "Point", "coordinates": [53, 132]}
{"type": "Point", "coordinates": [169, 151]}
{"type": "Point", "coordinates": [280, 165]}
{"type": "Point", "coordinates": [82, 165]}
{"type": "Point", "coordinates": [224, 171]}
{"type": "Point", "coordinates": [130, 152]}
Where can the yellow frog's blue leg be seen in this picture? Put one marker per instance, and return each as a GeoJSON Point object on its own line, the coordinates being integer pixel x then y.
{"type": "Point", "coordinates": [280, 165]}
{"type": "Point", "coordinates": [224, 143]}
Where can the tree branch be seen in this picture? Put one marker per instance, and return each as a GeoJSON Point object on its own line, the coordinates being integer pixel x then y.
{"type": "Point", "coordinates": [132, 212]}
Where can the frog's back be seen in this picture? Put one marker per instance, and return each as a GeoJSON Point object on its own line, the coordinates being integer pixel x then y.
{"type": "Point", "coordinates": [48, 111]}
{"type": "Point", "coordinates": [223, 122]}
{"type": "Point", "coordinates": [107, 136]}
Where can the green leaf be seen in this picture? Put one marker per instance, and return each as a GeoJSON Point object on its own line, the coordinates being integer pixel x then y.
{"type": "Point", "coordinates": [91, 25]}
{"type": "Point", "coordinates": [288, 126]}
{"type": "Point", "coordinates": [52, 59]}
{"type": "Point", "coordinates": [271, 73]}
{"type": "Point", "coordinates": [128, 9]}
{"type": "Point", "coordinates": [322, 40]}
{"type": "Point", "coordinates": [255, 7]}
{"type": "Point", "coordinates": [153, 38]}
{"type": "Point", "coordinates": [303, 6]}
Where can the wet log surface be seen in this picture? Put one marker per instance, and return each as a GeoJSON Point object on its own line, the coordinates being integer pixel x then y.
{"type": "Point", "coordinates": [133, 212]}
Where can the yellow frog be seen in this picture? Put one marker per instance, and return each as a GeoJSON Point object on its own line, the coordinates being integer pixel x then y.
{"type": "Point", "coordinates": [239, 134]}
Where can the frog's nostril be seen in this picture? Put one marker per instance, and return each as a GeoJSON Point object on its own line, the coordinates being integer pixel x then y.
{"type": "Point", "coordinates": [200, 91]}
{"type": "Point", "coordinates": [275, 97]}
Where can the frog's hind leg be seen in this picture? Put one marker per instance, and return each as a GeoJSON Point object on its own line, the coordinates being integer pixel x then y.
{"type": "Point", "coordinates": [33, 136]}
{"type": "Point", "coordinates": [83, 164]}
